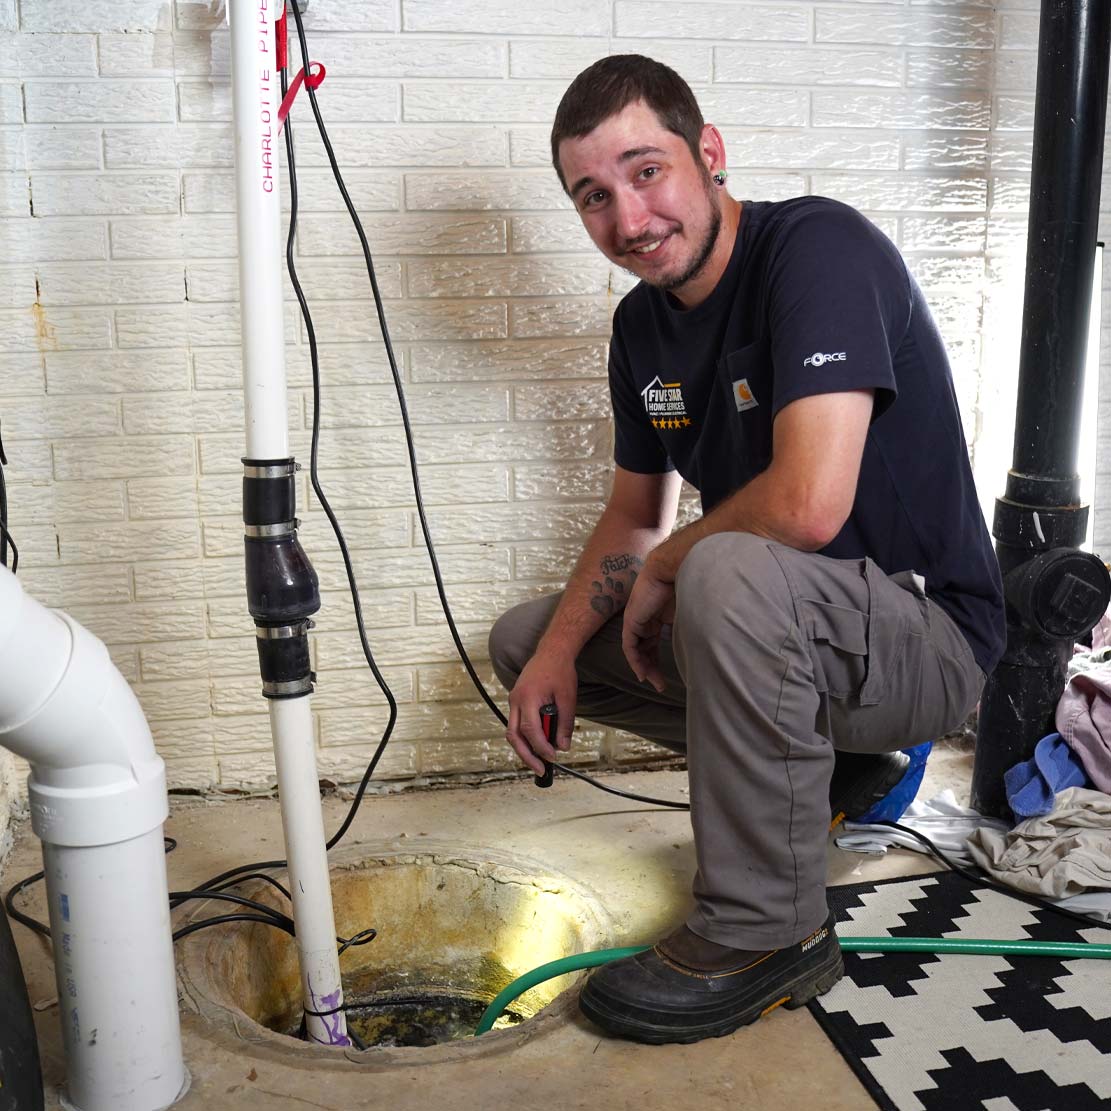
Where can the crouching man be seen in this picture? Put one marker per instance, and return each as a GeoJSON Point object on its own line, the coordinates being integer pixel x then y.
{"type": "Point", "coordinates": [839, 594]}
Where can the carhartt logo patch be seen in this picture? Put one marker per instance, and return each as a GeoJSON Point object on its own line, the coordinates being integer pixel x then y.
{"type": "Point", "coordinates": [663, 401]}
{"type": "Point", "coordinates": [742, 395]}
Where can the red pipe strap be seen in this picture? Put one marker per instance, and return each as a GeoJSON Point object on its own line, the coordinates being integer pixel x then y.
{"type": "Point", "coordinates": [280, 32]}
{"type": "Point", "coordinates": [315, 76]}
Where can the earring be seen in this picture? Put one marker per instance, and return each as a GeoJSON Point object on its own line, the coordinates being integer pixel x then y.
{"type": "Point", "coordinates": [720, 176]}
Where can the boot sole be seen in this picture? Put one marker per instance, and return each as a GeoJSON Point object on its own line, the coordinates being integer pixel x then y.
{"type": "Point", "coordinates": [792, 995]}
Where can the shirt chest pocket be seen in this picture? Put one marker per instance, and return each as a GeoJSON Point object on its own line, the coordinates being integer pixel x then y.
{"type": "Point", "coordinates": [747, 375]}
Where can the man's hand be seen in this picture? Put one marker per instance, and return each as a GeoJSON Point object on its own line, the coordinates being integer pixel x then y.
{"type": "Point", "coordinates": [545, 678]}
{"type": "Point", "coordinates": [651, 606]}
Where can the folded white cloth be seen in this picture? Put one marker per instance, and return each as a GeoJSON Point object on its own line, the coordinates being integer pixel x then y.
{"type": "Point", "coordinates": [949, 826]}
{"type": "Point", "coordinates": [942, 819]}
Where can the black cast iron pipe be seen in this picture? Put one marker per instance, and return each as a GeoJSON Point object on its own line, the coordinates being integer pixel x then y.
{"type": "Point", "coordinates": [1040, 513]}
{"type": "Point", "coordinates": [1069, 117]}
{"type": "Point", "coordinates": [20, 1081]}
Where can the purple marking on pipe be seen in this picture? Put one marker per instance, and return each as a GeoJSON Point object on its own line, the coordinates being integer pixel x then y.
{"type": "Point", "coordinates": [332, 1023]}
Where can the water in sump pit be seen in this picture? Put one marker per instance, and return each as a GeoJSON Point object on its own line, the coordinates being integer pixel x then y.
{"type": "Point", "coordinates": [419, 1020]}
{"type": "Point", "coordinates": [392, 1006]}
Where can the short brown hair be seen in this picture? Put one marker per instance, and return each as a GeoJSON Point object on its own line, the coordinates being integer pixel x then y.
{"type": "Point", "coordinates": [610, 84]}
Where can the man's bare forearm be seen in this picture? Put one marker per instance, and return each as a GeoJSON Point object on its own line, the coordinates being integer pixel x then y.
{"type": "Point", "coordinates": [805, 495]}
{"type": "Point", "coordinates": [600, 584]}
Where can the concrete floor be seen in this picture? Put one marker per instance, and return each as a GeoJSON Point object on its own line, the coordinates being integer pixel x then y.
{"type": "Point", "coordinates": [638, 862]}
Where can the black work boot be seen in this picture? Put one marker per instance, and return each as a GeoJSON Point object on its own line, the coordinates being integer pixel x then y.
{"type": "Point", "coordinates": [687, 988]}
{"type": "Point", "coordinates": [861, 779]}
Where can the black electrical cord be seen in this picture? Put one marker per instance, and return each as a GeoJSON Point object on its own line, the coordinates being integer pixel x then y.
{"type": "Point", "coordinates": [314, 475]}
{"type": "Point", "coordinates": [5, 535]}
{"type": "Point", "coordinates": [18, 915]}
{"type": "Point", "coordinates": [255, 876]}
{"type": "Point", "coordinates": [204, 923]}
{"type": "Point", "coordinates": [276, 916]}
{"type": "Point", "coordinates": [5, 541]}
{"type": "Point", "coordinates": [268, 915]}
{"type": "Point", "coordinates": [384, 328]}
{"type": "Point", "coordinates": [404, 408]}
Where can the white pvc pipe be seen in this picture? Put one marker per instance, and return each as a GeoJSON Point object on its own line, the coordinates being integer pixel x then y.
{"type": "Point", "coordinates": [256, 97]}
{"type": "Point", "coordinates": [110, 917]}
{"type": "Point", "coordinates": [97, 793]}
{"type": "Point", "coordinates": [309, 882]}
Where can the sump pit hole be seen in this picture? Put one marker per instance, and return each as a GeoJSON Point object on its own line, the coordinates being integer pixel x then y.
{"type": "Point", "coordinates": [453, 930]}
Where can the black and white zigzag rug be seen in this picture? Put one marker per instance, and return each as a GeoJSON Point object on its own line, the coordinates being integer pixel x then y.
{"type": "Point", "coordinates": [957, 1033]}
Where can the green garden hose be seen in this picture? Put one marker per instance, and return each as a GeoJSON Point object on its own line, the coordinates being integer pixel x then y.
{"type": "Point", "coordinates": [1068, 950]}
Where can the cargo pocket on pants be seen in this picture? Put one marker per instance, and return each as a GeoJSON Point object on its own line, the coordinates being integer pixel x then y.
{"type": "Point", "coordinates": [838, 647]}
{"type": "Point", "coordinates": [853, 652]}
{"type": "Point", "coordinates": [888, 626]}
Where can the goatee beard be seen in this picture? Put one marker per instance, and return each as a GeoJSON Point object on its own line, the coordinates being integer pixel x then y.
{"type": "Point", "coordinates": [701, 257]}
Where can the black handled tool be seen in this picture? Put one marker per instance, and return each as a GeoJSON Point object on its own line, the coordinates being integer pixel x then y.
{"type": "Point", "coordinates": [549, 719]}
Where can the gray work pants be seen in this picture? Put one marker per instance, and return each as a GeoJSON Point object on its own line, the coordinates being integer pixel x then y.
{"type": "Point", "coordinates": [776, 658]}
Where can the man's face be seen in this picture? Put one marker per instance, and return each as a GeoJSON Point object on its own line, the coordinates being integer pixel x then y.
{"type": "Point", "coordinates": [642, 197]}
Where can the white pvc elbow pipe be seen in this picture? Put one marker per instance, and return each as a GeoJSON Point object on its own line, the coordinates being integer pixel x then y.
{"type": "Point", "coordinates": [97, 794]}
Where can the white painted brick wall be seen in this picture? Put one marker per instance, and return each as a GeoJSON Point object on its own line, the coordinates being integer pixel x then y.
{"type": "Point", "coordinates": [119, 356]}
{"type": "Point", "coordinates": [11, 791]}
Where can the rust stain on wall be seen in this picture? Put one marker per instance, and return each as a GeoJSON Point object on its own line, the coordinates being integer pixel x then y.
{"type": "Point", "coordinates": [45, 334]}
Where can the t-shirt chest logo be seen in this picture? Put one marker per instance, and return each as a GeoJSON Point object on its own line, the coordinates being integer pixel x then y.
{"type": "Point", "coordinates": [663, 401]}
{"type": "Point", "coordinates": [742, 395]}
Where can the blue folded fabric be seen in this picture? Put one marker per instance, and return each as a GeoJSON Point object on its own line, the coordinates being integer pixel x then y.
{"type": "Point", "coordinates": [892, 806]}
{"type": "Point", "coordinates": [1032, 785]}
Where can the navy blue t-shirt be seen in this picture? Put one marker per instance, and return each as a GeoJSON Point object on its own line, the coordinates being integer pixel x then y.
{"type": "Point", "coordinates": [814, 299]}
